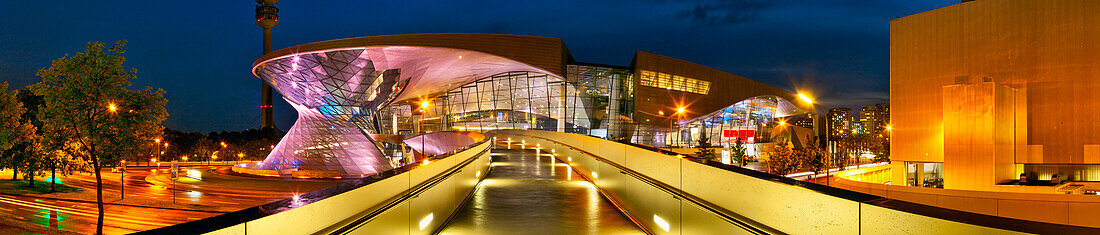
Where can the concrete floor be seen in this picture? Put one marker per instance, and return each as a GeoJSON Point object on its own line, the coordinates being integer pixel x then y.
{"type": "Point", "coordinates": [526, 194]}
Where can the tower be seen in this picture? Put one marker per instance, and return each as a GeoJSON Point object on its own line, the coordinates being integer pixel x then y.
{"type": "Point", "coordinates": [267, 17]}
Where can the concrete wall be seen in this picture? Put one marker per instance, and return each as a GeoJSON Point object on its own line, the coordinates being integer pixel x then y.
{"type": "Point", "coordinates": [1035, 203]}
{"type": "Point", "coordinates": [439, 201]}
{"type": "Point", "coordinates": [782, 207]}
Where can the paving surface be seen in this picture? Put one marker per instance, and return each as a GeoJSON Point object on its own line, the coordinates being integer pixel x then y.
{"type": "Point", "coordinates": [526, 193]}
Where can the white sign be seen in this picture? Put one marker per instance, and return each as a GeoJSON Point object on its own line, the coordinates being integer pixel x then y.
{"type": "Point", "coordinates": [725, 157]}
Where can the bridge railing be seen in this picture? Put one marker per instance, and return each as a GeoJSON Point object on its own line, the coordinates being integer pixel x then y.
{"type": "Point", "coordinates": [415, 199]}
{"type": "Point", "coordinates": [666, 194]}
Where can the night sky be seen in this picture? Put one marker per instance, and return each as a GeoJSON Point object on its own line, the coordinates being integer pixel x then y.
{"type": "Point", "coordinates": [201, 51]}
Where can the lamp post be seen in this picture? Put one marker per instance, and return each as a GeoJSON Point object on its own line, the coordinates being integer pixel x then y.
{"type": "Point", "coordinates": [422, 111]}
{"type": "Point", "coordinates": [671, 124]}
{"type": "Point", "coordinates": [122, 180]}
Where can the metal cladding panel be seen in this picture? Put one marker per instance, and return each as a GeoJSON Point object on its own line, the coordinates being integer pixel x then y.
{"type": "Point", "coordinates": [544, 53]}
{"type": "Point", "coordinates": [1045, 49]}
{"type": "Point", "coordinates": [725, 89]}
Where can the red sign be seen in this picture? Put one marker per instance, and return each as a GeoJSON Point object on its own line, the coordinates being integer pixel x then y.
{"type": "Point", "coordinates": [739, 133]}
{"type": "Point", "coordinates": [746, 133]}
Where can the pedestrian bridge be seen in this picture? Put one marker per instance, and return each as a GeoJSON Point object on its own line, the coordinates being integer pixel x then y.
{"type": "Point", "coordinates": [541, 182]}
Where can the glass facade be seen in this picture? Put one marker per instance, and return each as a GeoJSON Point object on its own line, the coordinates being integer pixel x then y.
{"type": "Point", "coordinates": [591, 101]}
{"type": "Point", "coordinates": [749, 119]}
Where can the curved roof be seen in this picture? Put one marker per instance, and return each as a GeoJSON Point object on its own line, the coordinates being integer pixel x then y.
{"type": "Point", "coordinates": [434, 63]}
{"type": "Point", "coordinates": [544, 53]}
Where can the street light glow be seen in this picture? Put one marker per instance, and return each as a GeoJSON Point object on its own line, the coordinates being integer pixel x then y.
{"type": "Point", "coordinates": [112, 107]}
{"type": "Point", "coordinates": [805, 98]}
{"type": "Point", "coordinates": [680, 110]}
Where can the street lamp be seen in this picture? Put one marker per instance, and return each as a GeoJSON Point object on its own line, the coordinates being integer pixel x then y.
{"type": "Point", "coordinates": [805, 98]}
{"type": "Point", "coordinates": [112, 107]}
{"type": "Point", "coordinates": [122, 180]}
{"type": "Point", "coordinates": [679, 114]}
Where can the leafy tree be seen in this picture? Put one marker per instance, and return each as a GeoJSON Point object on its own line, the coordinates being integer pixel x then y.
{"type": "Point", "coordinates": [17, 135]}
{"type": "Point", "coordinates": [782, 160]}
{"type": "Point", "coordinates": [704, 149]}
{"type": "Point", "coordinates": [203, 149]}
{"type": "Point", "coordinates": [881, 148]}
{"type": "Point", "coordinates": [11, 111]}
{"type": "Point", "coordinates": [738, 151]}
{"type": "Point", "coordinates": [814, 157]}
{"type": "Point", "coordinates": [85, 100]}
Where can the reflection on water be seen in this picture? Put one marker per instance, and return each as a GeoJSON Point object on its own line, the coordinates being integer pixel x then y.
{"type": "Point", "coordinates": [527, 193]}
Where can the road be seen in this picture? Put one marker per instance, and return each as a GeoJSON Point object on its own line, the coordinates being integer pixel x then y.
{"type": "Point", "coordinates": [81, 217]}
{"type": "Point", "coordinates": [138, 188]}
{"type": "Point", "coordinates": [146, 205]}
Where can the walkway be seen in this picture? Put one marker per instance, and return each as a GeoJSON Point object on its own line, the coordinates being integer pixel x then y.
{"type": "Point", "coordinates": [525, 193]}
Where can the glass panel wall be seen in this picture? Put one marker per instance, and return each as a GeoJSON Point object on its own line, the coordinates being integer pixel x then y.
{"type": "Point", "coordinates": [592, 100]}
{"type": "Point", "coordinates": [750, 120]}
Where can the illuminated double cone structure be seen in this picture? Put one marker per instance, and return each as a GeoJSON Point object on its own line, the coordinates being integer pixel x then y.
{"type": "Point", "coordinates": [335, 94]}
{"type": "Point", "coordinates": [339, 90]}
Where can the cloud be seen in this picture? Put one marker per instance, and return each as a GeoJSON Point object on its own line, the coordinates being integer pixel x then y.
{"type": "Point", "coordinates": [714, 13]}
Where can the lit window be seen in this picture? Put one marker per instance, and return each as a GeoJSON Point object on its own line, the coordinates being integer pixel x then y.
{"type": "Point", "coordinates": [673, 82]}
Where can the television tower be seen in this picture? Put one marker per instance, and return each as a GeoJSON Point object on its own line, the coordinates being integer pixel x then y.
{"type": "Point", "coordinates": [267, 17]}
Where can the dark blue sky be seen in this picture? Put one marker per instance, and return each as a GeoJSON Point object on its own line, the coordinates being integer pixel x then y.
{"type": "Point", "coordinates": [201, 51]}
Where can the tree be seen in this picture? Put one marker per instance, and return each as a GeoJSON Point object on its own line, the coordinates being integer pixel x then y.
{"type": "Point", "coordinates": [881, 148]}
{"type": "Point", "coordinates": [85, 100]}
{"type": "Point", "coordinates": [738, 151]}
{"type": "Point", "coordinates": [704, 152]}
{"type": "Point", "coordinates": [782, 160]}
{"type": "Point", "coordinates": [17, 135]}
{"type": "Point", "coordinates": [813, 157]}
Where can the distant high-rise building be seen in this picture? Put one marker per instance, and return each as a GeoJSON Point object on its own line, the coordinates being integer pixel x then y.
{"type": "Point", "coordinates": [883, 113]}
{"type": "Point", "coordinates": [873, 119]}
{"type": "Point", "coordinates": [857, 127]}
{"type": "Point", "coordinates": [805, 121]}
{"type": "Point", "coordinates": [840, 122]}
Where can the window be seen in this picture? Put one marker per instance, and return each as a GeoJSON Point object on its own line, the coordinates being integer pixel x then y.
{"type": "Point", "coordinates": [674, 82]}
